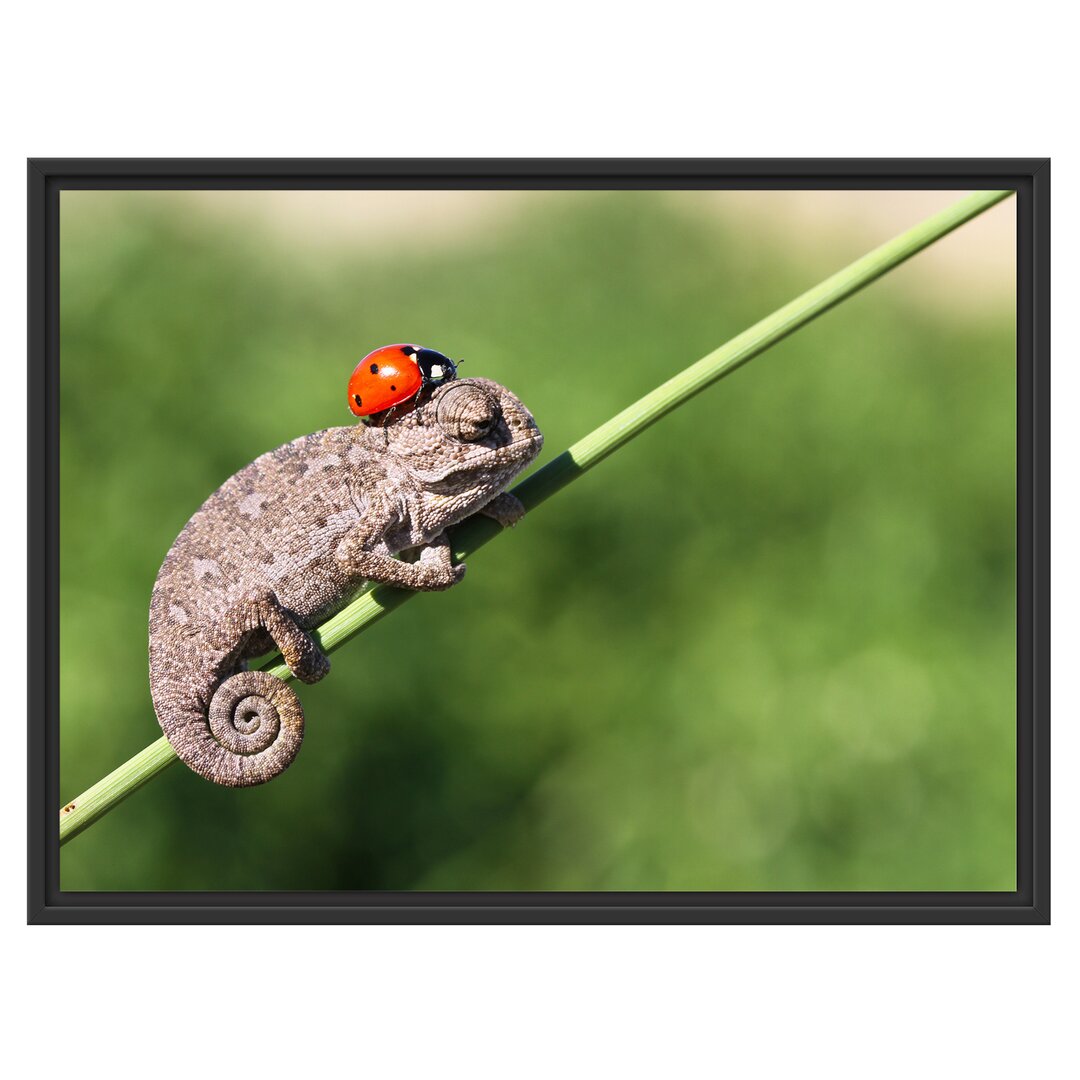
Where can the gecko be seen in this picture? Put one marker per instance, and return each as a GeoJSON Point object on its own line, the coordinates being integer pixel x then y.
{"type": "Point", "coordinates": [290, 539]}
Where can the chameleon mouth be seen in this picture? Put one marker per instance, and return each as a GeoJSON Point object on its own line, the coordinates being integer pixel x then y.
{"type": "Point", "coordinates": [518, 452]}
{"type": "Point", "coordinates": [527, 448]}
{"type": "Point", "coordinates": [526, 439]}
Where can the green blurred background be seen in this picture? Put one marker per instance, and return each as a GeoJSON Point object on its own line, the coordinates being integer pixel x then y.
{"type": "Point", "coordinates": [769, 645]}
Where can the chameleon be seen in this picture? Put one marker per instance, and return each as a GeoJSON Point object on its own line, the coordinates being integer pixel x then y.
{"type": "Point", "coordinates": [289, 540]}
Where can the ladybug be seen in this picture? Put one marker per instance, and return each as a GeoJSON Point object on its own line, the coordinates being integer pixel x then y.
{"type": "Point", "coordinates": [394, 374]}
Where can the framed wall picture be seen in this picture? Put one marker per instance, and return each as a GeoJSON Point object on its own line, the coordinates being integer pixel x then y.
{"type": "Point", "coordinates": [748, 464]}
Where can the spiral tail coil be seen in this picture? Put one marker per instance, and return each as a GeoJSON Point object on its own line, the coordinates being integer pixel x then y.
{"type": "Point", "coordinates": [256, 726]}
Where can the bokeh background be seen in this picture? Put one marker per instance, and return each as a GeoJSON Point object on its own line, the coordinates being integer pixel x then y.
{"type": "Point", "coordinates": [769, 645]}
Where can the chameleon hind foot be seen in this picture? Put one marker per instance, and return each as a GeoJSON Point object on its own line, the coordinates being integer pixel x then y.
{"type": "Point", "coordinates": [304, 658]}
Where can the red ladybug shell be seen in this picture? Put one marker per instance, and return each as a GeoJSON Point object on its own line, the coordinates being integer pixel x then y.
{"type": "Point", "coordinates": [385, 377]}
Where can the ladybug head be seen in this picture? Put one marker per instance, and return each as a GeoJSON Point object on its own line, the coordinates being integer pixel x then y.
{"type": "Point", "coordinates": [435, 368]}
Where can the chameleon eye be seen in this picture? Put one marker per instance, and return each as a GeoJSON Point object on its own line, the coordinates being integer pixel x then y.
{"type": "Point", "coordinates": [467, 412]}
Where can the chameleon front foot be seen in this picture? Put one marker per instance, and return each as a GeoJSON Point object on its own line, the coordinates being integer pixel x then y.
{"type": "Point", "coordinates": [426, 569]}
{"type": "Point", "coordinates": [506, 509]}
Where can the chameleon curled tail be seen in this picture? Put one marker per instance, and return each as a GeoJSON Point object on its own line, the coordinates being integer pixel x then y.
{"type": "Point", "coordinates": [233, 727]}
{"type": "Point", "coordinates": [251, 732]}
{"type": "Point", "coordinates": [257, 720]}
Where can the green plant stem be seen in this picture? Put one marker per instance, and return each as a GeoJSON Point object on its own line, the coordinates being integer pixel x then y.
{"type": "Point", "coordinates": [372, 605]}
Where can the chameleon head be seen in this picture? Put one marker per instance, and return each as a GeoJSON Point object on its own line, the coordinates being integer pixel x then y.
{"type": "Point", "coordinates": [473, 432]}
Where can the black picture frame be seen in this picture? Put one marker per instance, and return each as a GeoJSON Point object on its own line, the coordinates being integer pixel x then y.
{"type": "Point", "coordinates": [1029, 904]}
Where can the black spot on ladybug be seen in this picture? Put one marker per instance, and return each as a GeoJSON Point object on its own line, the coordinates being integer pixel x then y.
{"type": "Point", "coordinates": [408, 350]}
{"type": "Point", "coordinates": [374, 369]}
{"type": "Point", "coordinates": [356, 398]}
{"type": "Point", "coordinates": [393, 388]}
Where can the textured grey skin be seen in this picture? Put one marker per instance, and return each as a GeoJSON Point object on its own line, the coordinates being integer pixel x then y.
{"type": "Point", "coordinates": [287, 542]}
